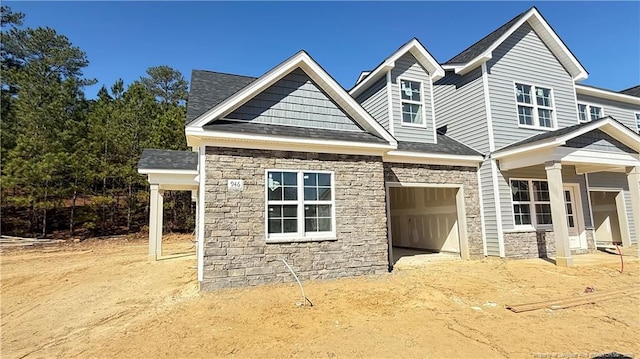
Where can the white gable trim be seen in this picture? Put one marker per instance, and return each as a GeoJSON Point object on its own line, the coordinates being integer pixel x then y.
{"type": "Point", "coordinates": [546, 34]}
{"type": "Point", "coordinates": [416, 49]}
{"type": "Point", "coordinates": [607, 125]}
{"type": "Point", "coordinates": [316, 73]}
{"type": "Point", "coordinates": [609, 95]}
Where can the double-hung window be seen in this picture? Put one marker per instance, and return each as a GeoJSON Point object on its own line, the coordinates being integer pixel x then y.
{"type": "Point", "coordinates": [300, 205]}
{"type": "Point", "coordinates": [535, 106]}
{"type": "Point", "coordinates": [588, 113]}
{"type": "Point", "coordinates": [411, 98]}
{"type": "Point", "coordinates": [638, 121]}
{"type": "Point", "coordinates": [531, 202]}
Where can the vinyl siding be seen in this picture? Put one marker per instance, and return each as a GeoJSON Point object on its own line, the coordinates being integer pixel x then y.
{"type": "Point", "coordinates": [460, 106]}
{"type": "Point", "coordinates": [623, 112]}
{"type": "Point", "coordinates": [295, 100]}
{"type": "Point", "coordinates": [489, 207]}
{"type": "Point", "coordinates": [611, 180]}
{"type": "Point", "coordinates": [407, 67]}
{"type": "Point", "coordinates": [374, 100]}
{"type": "Point", "coordinates": [538, 172]}
{"type": "Point", "coordinates": [524, 58]}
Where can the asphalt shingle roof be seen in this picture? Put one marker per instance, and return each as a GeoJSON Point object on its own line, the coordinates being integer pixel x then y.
{"type": "Point", "coordinates": [483, 44]}
{"type": "Point", "coordinates": [445, 145]}
{"type": "Point", "coordinates": [154, 159]}
{"type": "Point", "coordinates": [292, 131]}
{"type": "Point", "coordinates": [208, 89]}
{"type": "Point", "coordinates": [632, 91]}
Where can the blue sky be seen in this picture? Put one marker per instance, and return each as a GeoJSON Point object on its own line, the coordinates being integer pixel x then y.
{"type": "Point", "coordinates": [123, 39]}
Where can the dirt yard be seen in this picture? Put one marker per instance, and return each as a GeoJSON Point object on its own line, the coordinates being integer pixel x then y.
{"type": "Point", "coordinates": [101, 298]}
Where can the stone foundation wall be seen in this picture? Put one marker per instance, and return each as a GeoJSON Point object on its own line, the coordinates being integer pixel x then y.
{"type": "Point", "coordinates": [236, 252]}
{"type": "Point", "coordinates": [541, 244]}
{"type": "Point", "coordinates": [525, 245]}
{"type": "Point", "coordinates": [466, 176]}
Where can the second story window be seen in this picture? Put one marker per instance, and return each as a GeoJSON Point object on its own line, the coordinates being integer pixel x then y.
{"type": "Point", "coordinates": [535, 106]}
{"type": "Point", "coordinates": [638, 121]}
{"type": "Point", "coordinates": [588, 113]}
{"type": "Point", "coordinates": [411, 98]}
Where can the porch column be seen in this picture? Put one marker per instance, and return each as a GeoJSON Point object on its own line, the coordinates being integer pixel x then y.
{"type": "Point", "coordinates": [633, 177]}
{"type": "Point", "coordinates": [155, 222]}
{"type": "Point", "coordinates": [559, 214]}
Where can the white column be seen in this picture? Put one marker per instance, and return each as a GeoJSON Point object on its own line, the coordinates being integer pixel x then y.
{"type": "Point", "coordinates": [559, 214]}
{"type": "Point", "coordinates": [155, 222]}
{"type": "Point", "coordinates": [633, 178]}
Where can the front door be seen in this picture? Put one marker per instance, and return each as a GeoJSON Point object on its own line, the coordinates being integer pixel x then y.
{"type": "Point", "coordinates": [572, 217]}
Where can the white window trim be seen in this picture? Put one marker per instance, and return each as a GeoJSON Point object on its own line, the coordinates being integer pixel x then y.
{"type": "Point", "coordinates": [534, 105]}
{"type": "Point", "coordinates": [421, 103]}
{"type": "Point", "coordinates": [636, 115]}
{"type": "Point", "coordinates": [534, 226]}
{"type": "Point", "coordinates": [589, 105]}
{"type": "Point", "coordinates": [300, 235]}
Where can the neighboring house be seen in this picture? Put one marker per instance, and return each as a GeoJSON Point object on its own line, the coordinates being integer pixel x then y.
{"type": "Point", "coordinates": [488, 154]}
{"type": "Point", "coordinates": [561, 167]}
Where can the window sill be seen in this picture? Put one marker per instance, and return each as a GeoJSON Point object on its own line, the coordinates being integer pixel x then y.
{"type": "Point", "coordinates": [418, 125]}
{"type": "Point", "coordinates": [528, 127]}
{"type": "Point", "coordinates": [300, 239]}
{"type": "Point", "coordinates": [522, 229]}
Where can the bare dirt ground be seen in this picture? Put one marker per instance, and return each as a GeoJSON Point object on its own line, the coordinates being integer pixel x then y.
{"type": "Point", "coordinates": [102, 298]}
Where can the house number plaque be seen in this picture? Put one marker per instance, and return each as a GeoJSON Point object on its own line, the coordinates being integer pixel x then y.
{"type": "Point", "coordinates": [235, 185]}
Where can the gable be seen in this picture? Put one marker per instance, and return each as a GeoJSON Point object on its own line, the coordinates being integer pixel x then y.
{"type": "Point", "coordinates": [295, 100]}
{"type": "Point", "coordinates": [598, 140]}
{"type": "Point", "coordinates": [483, 50]}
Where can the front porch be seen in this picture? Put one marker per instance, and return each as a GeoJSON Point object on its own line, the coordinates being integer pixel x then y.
{"type": "Point", "coordinates": [571, 190]}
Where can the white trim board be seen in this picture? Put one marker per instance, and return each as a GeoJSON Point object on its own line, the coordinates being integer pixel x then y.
{"type": "Point", "coordinates": [416, 49]}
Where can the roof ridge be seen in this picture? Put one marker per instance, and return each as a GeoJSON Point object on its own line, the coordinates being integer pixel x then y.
{"type": "Point", "coordinates": [223, 73]}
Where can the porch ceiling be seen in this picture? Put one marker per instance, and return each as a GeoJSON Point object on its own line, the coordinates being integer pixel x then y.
{"type": "Point", "coordinates": [585, 161]}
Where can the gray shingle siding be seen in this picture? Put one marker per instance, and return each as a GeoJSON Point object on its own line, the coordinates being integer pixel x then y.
{"type": "Point", "coordinates": [295, 100]}
{"type": "Point", "coordinates": [524, 58]}
{"type": "Point", "coordinates": [597, 140]}
{"type": "Point", "coordinates": [609, 180]}
{"type": "Point", "coordinates": [374, 100]}
{"type": "Point", "coordinates": [623, 112]}
{"type": "Point", "coordinates": [466, 123]}
{"type": "Point", "coordinates": [407, 67]}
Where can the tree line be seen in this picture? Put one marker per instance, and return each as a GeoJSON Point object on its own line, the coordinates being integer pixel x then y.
{"type": "Point", "coordinates": [68, 163]}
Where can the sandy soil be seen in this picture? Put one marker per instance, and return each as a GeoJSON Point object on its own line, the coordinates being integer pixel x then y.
{"type": "Point", "coordinates": [101, 298]}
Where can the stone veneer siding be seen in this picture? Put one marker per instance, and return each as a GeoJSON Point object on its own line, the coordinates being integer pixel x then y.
{"type": "Point", "coordinates": [235, 251]}
{"type": "Point", "coordinates": [541, 244]}
{"type": "Point", "coordinates": [435, 174]}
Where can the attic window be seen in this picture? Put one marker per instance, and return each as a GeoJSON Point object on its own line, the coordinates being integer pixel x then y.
{"type": "Point", "coordinates": [411, 97]}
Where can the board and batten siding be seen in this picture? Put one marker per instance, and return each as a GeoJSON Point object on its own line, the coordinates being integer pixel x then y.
{"type": "Point", "coordinates": [489, 208]}
{"type": "Point", "coordinates": [408, 68]}
{"type": "Point", "coordinates": [459, 102]}
{"type": "Point", "coordinates": [618, 181]}
{"type": "Point", "coordinates": [625, 113]}
{"type": "Point", "coordinates": [295, 100]}
{"type": "Point", "coordinates": [569, 176]}
{"type": "Point", "coordinates": [524, 58]}
{"type": "Point", "coordinates": [374, 100]}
